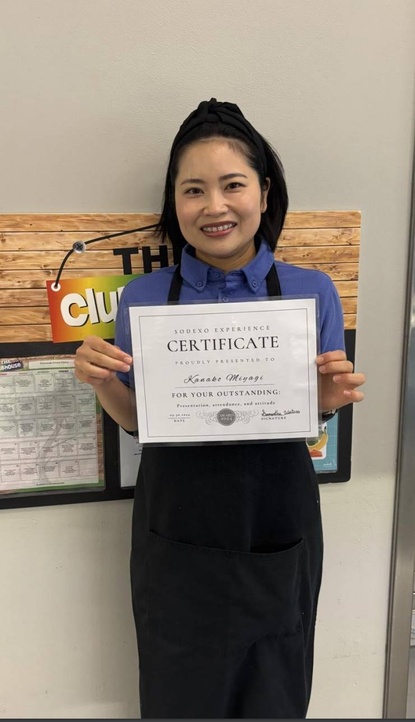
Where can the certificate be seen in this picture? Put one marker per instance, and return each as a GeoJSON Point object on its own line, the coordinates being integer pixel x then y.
{"type": "Point", "coordinates": [226, 372]}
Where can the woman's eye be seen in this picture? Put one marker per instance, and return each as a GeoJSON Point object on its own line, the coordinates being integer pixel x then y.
{"type": "Point", "coordinates": [193, 191]}
{"type": "Point", "coordinates": [234, 185]}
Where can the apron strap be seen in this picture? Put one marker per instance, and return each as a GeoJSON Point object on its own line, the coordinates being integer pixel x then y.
{"type": "Point", "coordinates": [272, 281]}
{"type": "Point", "coordinates": [175, 286]}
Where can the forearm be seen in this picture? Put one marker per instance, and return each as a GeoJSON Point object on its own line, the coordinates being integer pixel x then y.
{"type": "Point", "coordinates": [119, 402]}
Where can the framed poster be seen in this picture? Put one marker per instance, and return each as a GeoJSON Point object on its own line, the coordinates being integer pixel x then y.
{"type": "Point", "coordinates": [57, 445]}
{"type": "Point", "coordinates": [331, 451]}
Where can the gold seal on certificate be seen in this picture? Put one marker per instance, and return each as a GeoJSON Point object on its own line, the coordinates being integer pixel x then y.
{"type": "Point", "coordinates": [226, 372]}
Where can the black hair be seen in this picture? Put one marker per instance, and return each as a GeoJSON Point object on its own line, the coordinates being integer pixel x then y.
{"type": "Point", "coordinates": [272, 220]}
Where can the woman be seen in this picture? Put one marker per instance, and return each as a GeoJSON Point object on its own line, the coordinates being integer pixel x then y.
{"type": "Point", "coordinates": [227, 545]}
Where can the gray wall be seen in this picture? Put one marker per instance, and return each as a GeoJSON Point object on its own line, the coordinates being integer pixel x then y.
{"type": "Point", "coordinates": [91, 93]}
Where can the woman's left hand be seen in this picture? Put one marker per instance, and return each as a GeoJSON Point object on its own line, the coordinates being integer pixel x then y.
{"type": "Point", "coordinates": [339, 383]}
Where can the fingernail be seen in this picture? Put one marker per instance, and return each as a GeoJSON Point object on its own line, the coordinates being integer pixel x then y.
{"type": "Point", "coordinates": [337, 378]}
{"type": "Point", "coordinates": [322, 369]}
{"type": "Point", "coordinates": [126, 367]}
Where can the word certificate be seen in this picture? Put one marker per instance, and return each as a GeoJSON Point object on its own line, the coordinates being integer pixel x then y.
{"type": "Point", "coordinates": [234, 372]}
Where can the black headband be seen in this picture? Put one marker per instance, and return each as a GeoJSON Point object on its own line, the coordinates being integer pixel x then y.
{"type": "Point", "coordinates": [226, 113]}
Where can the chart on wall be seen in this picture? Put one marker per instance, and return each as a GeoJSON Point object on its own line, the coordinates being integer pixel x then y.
{"type": "Point", "coordinates": [50, 430]}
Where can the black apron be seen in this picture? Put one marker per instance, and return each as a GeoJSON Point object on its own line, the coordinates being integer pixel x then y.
{"type": "Point", "coordinates": [225, 570]}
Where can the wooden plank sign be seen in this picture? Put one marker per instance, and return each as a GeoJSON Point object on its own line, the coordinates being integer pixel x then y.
{"type": "Point", "coordinates": [32, 247]}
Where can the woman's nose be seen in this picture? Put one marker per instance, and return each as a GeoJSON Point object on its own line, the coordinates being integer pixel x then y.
{"type": "Point", "coordinates": [215, 204]}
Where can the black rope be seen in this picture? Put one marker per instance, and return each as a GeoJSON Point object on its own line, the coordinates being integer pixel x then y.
{"type": "Point", "coordinates": [79, 247]}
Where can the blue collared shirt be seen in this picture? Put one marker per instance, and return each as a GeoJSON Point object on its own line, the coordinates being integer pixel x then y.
{"type": "Point", "coordinates": [204, 283]}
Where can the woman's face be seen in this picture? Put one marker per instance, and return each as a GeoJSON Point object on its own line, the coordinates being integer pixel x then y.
{"type": "Point", "coordinates": [219, 203]}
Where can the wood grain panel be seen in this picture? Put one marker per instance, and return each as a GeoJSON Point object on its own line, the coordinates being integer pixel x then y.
{"type": "Point", "coordinates": [32, 260]}
{"type": "Point", "coordinates": [39, 297]}
{"type": "Point", "coordinates": [92, 259]}
{"type": "Point", "coordinates": [319, 237]}
{"type": "Point", "coordinates": [323, 219]}
{"type": "Point", "coordinates": [25, 333]}
{"type": "Point", "coordinates": [349, 305]}
{"type": "Point", "coordinates": [346, 288]}
{"type": "Point", "coordinates": [32, 247]}
{"type": "Point", "coordinates": [17, 316]}
{"type": "Point", "coordinates": [350, 320]}
{"type": "Point", "coordinates": [38, 278]}
{"type": "Point", "coordinates": [338, 272]}
{"type": "Point", "coordinates": [23, 297]}
{"type": "Point", "coordinates": [63, 241]}
{"type": "Point", "coordinates": [319, 254]}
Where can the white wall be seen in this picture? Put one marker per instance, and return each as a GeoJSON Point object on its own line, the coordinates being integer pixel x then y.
{"type": "Point", "coordinates": [91, 93]}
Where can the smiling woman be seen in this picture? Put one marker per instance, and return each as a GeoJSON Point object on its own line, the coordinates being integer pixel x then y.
{"type": "Point", "coordinates": [219, 213]}
{"type": "Point", "coordinates": [227, 544]}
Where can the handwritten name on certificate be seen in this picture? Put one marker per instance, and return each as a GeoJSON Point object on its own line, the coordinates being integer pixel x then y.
{"type": "Point", "coordinates": [234, 372]}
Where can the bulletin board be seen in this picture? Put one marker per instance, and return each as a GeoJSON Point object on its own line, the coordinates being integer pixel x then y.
{"type": "Point", "coordinates": [32, 248]}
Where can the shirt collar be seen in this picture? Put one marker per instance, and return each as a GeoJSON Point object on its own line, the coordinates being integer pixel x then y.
{"type": "Point", "coordinates": [196, 272]}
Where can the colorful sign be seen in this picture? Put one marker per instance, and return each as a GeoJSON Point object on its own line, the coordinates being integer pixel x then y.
{"type": "Point", "coordinates": [84, 307]}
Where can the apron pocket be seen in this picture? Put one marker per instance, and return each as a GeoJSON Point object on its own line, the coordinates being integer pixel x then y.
{"type": "Point", "coordinates": [220, 599]}
{"type": "Point", "coordinates": [265, 595]}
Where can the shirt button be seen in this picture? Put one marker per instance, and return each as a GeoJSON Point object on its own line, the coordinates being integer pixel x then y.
{"type": "Point", "coordinates": [254, 284]}
{"type": "Point", "coordinates": [225, 298]}
{"type": "Point", "coordinates": [216, 274]}
{"type": "Point", "coordinates": [199, 284]}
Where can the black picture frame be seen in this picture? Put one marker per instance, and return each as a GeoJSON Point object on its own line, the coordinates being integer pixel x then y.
{"type": "Point", "coordinates": [344, 429]}
{"type": "Point", "coordinates": [111, 489]}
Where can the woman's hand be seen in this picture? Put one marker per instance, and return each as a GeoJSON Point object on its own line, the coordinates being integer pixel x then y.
{"type": "Point", "coordinates": [339, 383]}
{"type": "Point", "coordinates": [97, 361]}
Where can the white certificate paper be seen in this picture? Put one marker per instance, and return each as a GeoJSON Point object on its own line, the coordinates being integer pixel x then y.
{"type": "Point", "coordinates": [234, 372]}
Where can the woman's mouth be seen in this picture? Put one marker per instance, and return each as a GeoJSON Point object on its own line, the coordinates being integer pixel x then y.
{"type": "Point", "coordinates": [218, 229]}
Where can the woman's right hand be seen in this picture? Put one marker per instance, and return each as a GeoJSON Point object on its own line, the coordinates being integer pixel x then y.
{"type": "Point", "coordinates": [97, 361]}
